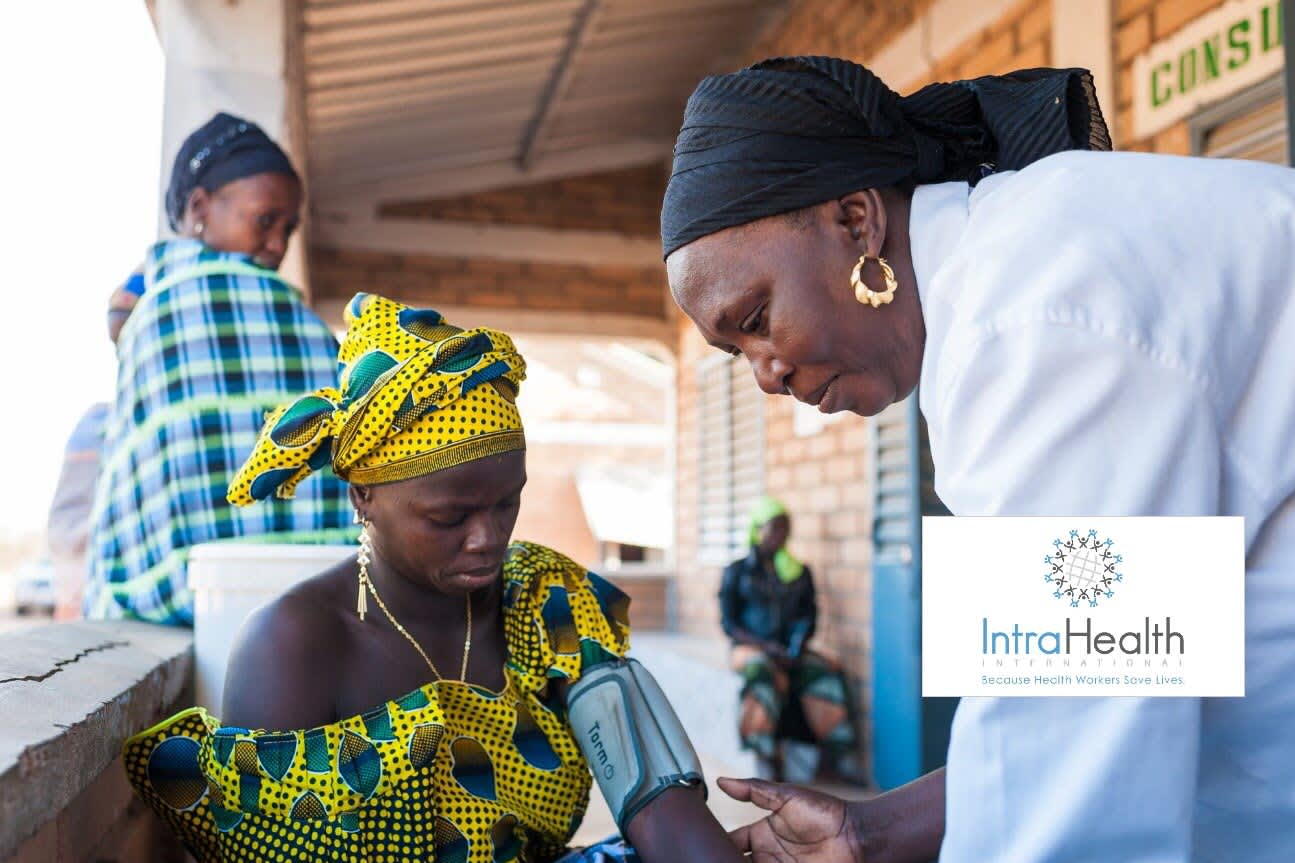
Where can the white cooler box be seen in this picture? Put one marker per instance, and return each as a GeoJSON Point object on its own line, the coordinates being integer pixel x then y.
{"type": "Point", "coordinates": [229, 581]}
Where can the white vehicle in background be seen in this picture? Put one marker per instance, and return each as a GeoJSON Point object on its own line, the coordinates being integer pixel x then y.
{"type": "Point", "coordinates": [34, 588]}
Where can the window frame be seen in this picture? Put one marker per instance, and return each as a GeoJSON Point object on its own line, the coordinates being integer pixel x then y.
{"type": "Point", "coordinates": [1206, 120]}
{"type": "Point", "coordinates": [710, 549]}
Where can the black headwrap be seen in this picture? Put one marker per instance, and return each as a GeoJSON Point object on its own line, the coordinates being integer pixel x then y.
{"type": "Point", "coordinates": [792, 132]}
{"type": "Point", "coordinates": [224, 149]}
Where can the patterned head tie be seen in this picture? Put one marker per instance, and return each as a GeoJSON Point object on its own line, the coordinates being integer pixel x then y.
{"type": "Point", "coordinates": [224, 149]}
{"type": "Point", "coordinates": [792, 132]}
{"type": "Point", "coordinates": [415, 396]}
{"type": "Point", "coordinates": [765, 510]}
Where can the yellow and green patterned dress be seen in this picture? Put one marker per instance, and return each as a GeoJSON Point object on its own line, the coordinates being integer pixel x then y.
{"type": "Point", "coordinates": [449, 773]}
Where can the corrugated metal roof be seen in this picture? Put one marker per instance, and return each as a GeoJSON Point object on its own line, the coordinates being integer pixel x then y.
{"type": "Point", "coordinates": [413, 93]}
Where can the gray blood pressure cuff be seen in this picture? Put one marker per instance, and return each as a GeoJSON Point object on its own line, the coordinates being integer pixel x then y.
{"type": "Point", "coordinates": [630, 736]}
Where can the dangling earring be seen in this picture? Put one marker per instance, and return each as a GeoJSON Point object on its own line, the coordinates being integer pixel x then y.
{"type": "Point", "coordinates": [201, 228]}
{"type": "Point", "coordinates": [865, 294]}
{"type": "Point", "coordinates": [363, 558]}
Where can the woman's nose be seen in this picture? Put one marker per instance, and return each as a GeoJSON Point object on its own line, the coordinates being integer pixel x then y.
{"type": "Point", "coordinates": [771, 374]}
{"type": "Point", "coordinates": [483, 534]}
{"type": "Point", "coordinates": [276, 243]}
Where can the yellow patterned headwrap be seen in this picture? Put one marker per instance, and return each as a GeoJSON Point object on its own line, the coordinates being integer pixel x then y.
{"type": "Point", "coordinates": [415, 395]}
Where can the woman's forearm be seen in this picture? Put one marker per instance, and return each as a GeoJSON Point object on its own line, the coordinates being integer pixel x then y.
{"type": "Point", "coordinates": [902, 826]}
{"type": "Point", "coordinates": [677, 826]}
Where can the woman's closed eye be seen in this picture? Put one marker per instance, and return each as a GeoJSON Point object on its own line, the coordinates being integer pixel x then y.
{"type": "Point", "coordinates": [448, 519]}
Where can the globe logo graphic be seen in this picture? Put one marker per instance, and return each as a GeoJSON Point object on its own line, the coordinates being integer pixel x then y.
{"type": "Point", "coordinates": [1083, 569]}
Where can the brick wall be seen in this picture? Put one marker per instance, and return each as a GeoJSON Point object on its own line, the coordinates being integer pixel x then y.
{"type": "Point", "coordinates": [1021, 39]}
{"type": "Point", "coordinates": [625, 202]}
{"type": "Point", "coordinates": [853, 29]}
{"type": "Point", "coordinates": [1138, 24]}
{"type": "Point", "coordinates": [430, 280]}
{"type": "Point", "coordinates": [857, 30]}
{"type": "Point", "coordinates": [823, 480]}
{"type": "Point", "coordinates": [105, 822]}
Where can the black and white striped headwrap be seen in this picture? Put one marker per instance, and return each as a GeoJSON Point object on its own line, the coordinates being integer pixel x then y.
{"type": "Point", "coordinates": [792, 132]}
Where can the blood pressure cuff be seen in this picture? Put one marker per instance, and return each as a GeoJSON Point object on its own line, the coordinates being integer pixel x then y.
{"type": "Point", "coordinates": [630, 736]}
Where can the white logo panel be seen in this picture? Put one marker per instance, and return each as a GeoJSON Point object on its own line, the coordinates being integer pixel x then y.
{"type": "Point", "coordinates": [1082, 606]}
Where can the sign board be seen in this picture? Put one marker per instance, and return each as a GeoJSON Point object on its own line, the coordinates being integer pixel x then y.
{"type": "Point", "coordinates": [1063, 607]}
{"type": "Point", "coordinates": [1218, 54]}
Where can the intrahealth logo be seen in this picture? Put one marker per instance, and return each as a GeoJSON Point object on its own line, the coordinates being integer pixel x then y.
{"type": "Point", "coordinates": [1130, 605]}
{"type": "Point", "coordinates": [1083, 569]}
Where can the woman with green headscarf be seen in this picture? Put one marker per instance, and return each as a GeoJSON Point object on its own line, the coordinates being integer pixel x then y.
{"type": "Point", "coordinates": [769, 612]}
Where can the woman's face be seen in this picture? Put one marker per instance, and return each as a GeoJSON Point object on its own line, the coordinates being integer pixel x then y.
{"type": "Point", "coordinates": [774, 534]}
{"type": "Point", "coordinates": [253, 216]}
{"type": "Point", "coordinates": [447, 531]}
{"type": "Point", "coordinates": [777, 291]}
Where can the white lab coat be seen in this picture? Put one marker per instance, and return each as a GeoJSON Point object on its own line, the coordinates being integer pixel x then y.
{"type": "Point", "coordinates": [1114, 334]}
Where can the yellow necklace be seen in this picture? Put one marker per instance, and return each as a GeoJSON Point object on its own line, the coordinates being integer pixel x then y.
{"type": "Point", "coordinates": [367, 584]}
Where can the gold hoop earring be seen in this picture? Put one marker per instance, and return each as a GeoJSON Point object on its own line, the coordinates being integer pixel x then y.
{"type": "Point", "coordinates": [865, 294]}
{"type": "Point", "coordinates": [363, 558]}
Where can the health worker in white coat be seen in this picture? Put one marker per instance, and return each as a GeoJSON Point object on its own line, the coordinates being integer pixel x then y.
{"type": "Point", "coordinates": [1093, 333]}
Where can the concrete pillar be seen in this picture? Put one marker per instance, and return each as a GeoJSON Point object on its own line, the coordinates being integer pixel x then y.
{"type": "Point", "coordinates": [1083, 35]}
{"type": "Point", "coordinates": [226, 56]}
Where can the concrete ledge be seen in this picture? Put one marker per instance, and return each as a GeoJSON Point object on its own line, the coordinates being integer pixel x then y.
{"type": "Point", "coordinates": [70, 693]}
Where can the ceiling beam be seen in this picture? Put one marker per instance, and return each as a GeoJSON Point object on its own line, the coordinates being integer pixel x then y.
{"type": "Point", "coordinates": [563, 74]}
{"type": "Point", "coordinates": [494, 173]}
{"type": "Point", "coordinates": [364, 231]}
{"type": "Point", "coordinates": [415, 134]}
{"type": "Point", "coordinates": [526, 322]}
{"type": "Point", "coordinates": [464, 154]}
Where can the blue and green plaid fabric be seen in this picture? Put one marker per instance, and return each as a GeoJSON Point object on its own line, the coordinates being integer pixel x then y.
{"type": "Point", "coordinates": [214, 343]}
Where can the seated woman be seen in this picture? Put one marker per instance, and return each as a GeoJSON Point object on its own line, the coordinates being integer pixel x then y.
{"type": "Point", "coordinates": [215, 340]}
{"type": "Point", "coordinates": [769, 612]}
{"type": "Point", "coordinates": [371, 761]}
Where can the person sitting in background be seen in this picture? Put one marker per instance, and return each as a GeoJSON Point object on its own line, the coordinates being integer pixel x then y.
{"type": "Point", "coordinates": [67, 529]}
{"type": "Point", "coordinates": [379, 756]}
{"type": "Point", "coordinates": [216, 339]}
{"type": "Point", "coordinates": [768, 611]}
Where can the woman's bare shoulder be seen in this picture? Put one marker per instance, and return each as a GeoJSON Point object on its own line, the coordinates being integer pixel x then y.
{"type": "Point", "coordinates": [282, 669]}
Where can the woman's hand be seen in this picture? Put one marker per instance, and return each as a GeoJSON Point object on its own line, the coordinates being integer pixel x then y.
{"type": "Point", "coordinates": [804, 826]}
{"type": "Point", "coordinates": [905, 825]}
{"type": "Point", "coordinates": [777, 654]}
